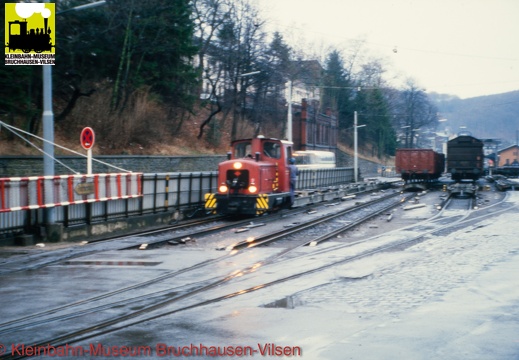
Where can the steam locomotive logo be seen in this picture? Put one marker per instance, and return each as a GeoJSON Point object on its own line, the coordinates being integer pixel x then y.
{"type": "Point", "coordinates": [29, 28]}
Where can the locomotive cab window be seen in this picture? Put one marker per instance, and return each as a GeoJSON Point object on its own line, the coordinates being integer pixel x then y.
{"type": "Point", "coordinates": [242, 150]}
{"type": "Point", "coordinates": [272, 149]}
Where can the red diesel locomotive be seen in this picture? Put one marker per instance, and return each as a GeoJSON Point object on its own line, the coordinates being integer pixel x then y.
{"type": "Point", "coordinates": [254, 179]}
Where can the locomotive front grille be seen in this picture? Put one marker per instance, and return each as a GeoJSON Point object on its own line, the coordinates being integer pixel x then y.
{"type": "Point", "coordinates": [237, 179]}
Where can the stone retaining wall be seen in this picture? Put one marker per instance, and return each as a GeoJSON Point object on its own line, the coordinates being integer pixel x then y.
{"type": "Point", "coordinates": [33, 165]}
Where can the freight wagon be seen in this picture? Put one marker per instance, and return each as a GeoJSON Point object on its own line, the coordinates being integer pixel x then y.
{"type": "Point", "coordinates": [419, 165]}
{"type": "Point", "coordinates": [465, 158]}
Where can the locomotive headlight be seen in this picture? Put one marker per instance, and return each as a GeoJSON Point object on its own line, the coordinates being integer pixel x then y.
{"type": "Point", "coordinates": [252, 188]}
{"type": "Point", "coordinates": [223, 188]}
{"type": "Point", "coordinates": [237, 165]}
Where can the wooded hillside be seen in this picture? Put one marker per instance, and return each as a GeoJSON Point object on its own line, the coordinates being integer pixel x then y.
{"type": "Point", "coordinates": [134, 70]}
{"type": "Point", "coordinates": [492, 116]}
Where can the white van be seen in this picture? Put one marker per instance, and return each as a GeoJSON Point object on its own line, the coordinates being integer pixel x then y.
{"type": "Point", "coordinates": [314, 159]}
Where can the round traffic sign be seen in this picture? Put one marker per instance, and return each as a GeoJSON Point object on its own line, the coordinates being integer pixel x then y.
{"type": "Point", "coordinates": [87, 138]}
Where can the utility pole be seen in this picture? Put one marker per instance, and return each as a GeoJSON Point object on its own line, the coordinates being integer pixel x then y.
{"type": "Point", "coordinates": [355, 149]}
{"type": "Point", "coordinates": [517, 144]}
{"type": "Point", "coordinates": [48, 146]}
{"type": "Point", "coordinates": [48, 127]}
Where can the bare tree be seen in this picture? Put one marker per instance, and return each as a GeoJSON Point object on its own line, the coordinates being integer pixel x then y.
{"type": "Point", "coordinates": [240, 43]}
{"type": "Point", "coordinates": [214, 101]}
{"type": "Point", "coordinates": [209, 17]}
{"type": "Point", "coordinates": [416, 111]}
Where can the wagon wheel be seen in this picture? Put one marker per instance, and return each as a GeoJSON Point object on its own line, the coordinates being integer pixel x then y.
{"type": "Point", "coordinates": [26, 50]}
{"type": "Point", "coordinates": [38, 51]}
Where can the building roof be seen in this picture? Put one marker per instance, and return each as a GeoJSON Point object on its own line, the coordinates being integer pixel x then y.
{"type": "Point", "coordinates": [508, 148]}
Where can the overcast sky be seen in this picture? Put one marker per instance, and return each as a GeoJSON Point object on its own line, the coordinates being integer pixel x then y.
{"type": "Point", "coordinates": [462, 47]}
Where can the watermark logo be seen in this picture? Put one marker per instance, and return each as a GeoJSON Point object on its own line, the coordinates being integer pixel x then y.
{"type": "Point", "coordinates": [30, 33]}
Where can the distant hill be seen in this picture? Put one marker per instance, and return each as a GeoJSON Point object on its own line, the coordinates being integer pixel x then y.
{"type": "Point", "coordinates": [492, 116]}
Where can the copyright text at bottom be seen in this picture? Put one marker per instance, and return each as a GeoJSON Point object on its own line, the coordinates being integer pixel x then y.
{"type": "Point", "coordinates": [161, 350]}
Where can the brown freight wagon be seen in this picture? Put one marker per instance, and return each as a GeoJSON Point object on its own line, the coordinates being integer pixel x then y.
{"type": "Point", "coordinates": [419, 164]}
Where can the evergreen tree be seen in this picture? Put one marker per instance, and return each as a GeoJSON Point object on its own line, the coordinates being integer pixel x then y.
{"type": "Point", "coordinates": [338, 90]}
{"type": "Point", "coordinates": [156, 51]}
{"type": "Point", "coordinates": [374, 113]}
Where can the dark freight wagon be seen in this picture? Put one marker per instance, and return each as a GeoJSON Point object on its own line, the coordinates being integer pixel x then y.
{"type": "Point", "coordinates": [465, 158]}
{"type": "Point", "coordinates": [419, 164]}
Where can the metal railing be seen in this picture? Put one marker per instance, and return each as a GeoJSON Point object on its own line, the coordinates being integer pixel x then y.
{"type": "Point", "coordinates": [316, 178]}
{"type": "Point", "coordinates": [162, 192]}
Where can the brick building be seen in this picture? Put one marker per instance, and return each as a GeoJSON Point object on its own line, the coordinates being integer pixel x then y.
{"type": "Point", "coordinates": [509, 156]}
{"type": "Point", "coordinates": [313, 130]}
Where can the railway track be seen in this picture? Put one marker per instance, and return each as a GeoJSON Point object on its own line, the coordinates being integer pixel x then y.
{"type": "Point", "coordinates": [200, 295]}
{"type": "Point", "coordinates": [152, 238]}
{"type": "Point", "coordinates": [161, 298]}
{"type": "Point", "coordinates": [330, 225]}
{"type": "Point", "coordinates": [49, 257]}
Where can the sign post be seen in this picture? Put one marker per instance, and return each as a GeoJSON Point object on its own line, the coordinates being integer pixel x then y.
{"type": "Point", "coordinates": [87, 139]}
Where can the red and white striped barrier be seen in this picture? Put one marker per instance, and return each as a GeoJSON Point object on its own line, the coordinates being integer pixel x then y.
{"type": "Point", "coordinates": [25, 193]}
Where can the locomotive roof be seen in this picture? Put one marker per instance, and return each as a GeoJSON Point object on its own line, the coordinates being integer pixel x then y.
{"type": "Point", "coordinates": [461, 138]}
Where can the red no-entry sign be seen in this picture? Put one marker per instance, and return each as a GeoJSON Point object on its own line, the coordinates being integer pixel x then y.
{"type": "Point", "coordinates": [87, 138]}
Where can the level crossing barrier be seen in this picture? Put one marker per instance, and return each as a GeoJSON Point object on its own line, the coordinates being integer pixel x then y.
{"type": "Point", "coordinates": [28, 193]}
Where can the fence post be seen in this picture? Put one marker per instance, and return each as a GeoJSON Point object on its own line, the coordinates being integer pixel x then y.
{"type": "Point", "coordinates": [179, 188]}
{"type": "Point", "coordinates": [190, 188]}
{"type": "Point", "coordinates": [155, 179]}
{"type": "Point", "coordinates": [201, 188]}
{"type": "Point", "coordinates": [166, 198]}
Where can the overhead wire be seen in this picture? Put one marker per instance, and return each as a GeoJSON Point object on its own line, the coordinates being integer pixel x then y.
{"type": "Point", "coordinates": [11, 128]}
{"type": "Point", "coordinates": [37, 148]}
